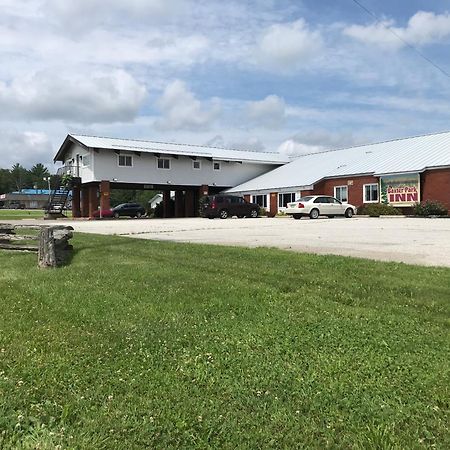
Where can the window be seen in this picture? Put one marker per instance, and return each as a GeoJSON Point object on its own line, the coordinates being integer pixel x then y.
{"type": "Point", "coordinates": [284, 199]}
{"type": "Point", "coordinates": [196, 165]}
{"type": "Point", "coordinates": [370, 193]}
{"type": "Point", "coordinates": [86, 160]}
{"type": "Point", "coordinates": [216, 165]}
{"type": "Point", "coordinates": [163, 163]}
{"type": "Point", "coordinates": [260, 200]}
{"type": "Point", "coordinates": [341, 193]}
{"type": "Point", "coordinates": [124, 160]}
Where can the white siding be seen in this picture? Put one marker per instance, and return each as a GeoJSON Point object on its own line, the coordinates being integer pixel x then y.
{"type": "Point", "coordinates": [104, 166]}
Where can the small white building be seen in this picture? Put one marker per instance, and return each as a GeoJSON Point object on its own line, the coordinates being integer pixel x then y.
{"type": "Point", "coordinates": [100, 164]}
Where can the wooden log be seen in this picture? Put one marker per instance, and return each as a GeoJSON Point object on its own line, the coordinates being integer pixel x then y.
{"type": "Point", "coordinates": [6, 228]}
{"type": "Point", "coordinates": [17, 237]}
{"type": "Point", "coordinates": [25, 248]}
{"type": "Point", "coordinates": [46, 254]}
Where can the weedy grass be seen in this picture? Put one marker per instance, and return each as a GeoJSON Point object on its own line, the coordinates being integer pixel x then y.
{"type": "Point", "coordinates": [144, 344]}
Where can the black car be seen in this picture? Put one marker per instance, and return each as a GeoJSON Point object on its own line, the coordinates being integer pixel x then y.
{"type": "Point", "coordinates": [128, 209]}
{"type": "Point", "coordinates": [224, 206]}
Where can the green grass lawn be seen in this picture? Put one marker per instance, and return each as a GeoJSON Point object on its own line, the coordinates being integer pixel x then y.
{"type": "Point", "coordinates": [143, 344]}
{"type": "Point", "coordinates": [15, 214]}
{"type": "Point", "coordinates": [18, 214]}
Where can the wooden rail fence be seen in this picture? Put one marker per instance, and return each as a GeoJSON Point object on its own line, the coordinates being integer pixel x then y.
{"type": "Point", "coordinates": [51, 242]}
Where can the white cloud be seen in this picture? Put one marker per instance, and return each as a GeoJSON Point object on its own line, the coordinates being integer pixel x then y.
{"type": "Point", "coordinates": [289, 46]}
{"type": "Point", "coordinates": [269, 112]}
{"type": "Point", "coordinates": [316, 141]}
{"type": "Point", "coordinates": [81, 13]}
{"type": "Point", "coordinates": [26, 148]}
{"type": "Point", "coordinates": [423, 28]}
{"type": "Point", "coordinates": [52, 95]}
{"type": "Point", "coordinates": [182, 110]}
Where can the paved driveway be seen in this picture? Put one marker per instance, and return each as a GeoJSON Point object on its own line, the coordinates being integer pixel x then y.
{"type": "Point", "coordinates": [410, 240]}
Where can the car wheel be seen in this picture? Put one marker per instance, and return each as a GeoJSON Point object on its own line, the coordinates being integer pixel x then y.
{"type": "Point", "coordinates": [349, 213]}
{"type": "Point", "coordinates": [253, 213]}
{"type": "Point", "coordinates": [297, 216]}
{"type": "Point", "coordinates": [223, 214]}
{"type": "Point", "coordinates": [314, 213]}
{"type": "Point", "coordinates": [116, 215]}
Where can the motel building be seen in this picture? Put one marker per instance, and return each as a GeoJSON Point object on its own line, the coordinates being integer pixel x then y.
{"type": "Point", "coordinates": [98, 165]}
{"type": "Point", "coordinates": [401, 172]}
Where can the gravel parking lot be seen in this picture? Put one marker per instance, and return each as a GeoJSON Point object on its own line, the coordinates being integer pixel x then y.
{"type": "Point", "coordinates": [409, 240]}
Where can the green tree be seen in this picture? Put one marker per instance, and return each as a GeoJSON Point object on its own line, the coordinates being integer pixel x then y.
{"type": "Point", "coordinates": [19, 177]}
{"type": "Point", "coordinates": [37, 174]}
{"type": "Point", "coordinates": [5, 181]}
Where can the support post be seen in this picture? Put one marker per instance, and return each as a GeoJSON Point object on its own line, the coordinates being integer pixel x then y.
{"type": "Point", "coordinates": [105, 195]}
{"type": "Point", "coordinates": [273, 204]}
{"type": "Point", "coordinates": [189, 204]}
{"type": "Point", "coordinates": [93, 199]}
{"type": "Point", "coordinates": [84, 201]}
{"type": "Point", "coordinates": [179, 204]}
{"type": "Point", "coordinates": [166, 204]}
{"type": "Point", "coordinates": [76, 202]}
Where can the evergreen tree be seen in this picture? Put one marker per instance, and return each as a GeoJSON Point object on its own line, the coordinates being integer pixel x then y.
{"type": "Point", "coordinates": [37, 174]}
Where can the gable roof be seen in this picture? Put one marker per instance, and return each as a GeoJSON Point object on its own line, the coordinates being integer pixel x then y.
{"type": "Point", "coordinates": [407, 155]}
{"type": "Point", "coordinates": [165, 148]}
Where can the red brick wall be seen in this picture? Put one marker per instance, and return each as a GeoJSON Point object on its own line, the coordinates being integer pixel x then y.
{"type": "Point", "coordinates": [355, 190]}
{"type": "Point", "coordinates": [435, 185]}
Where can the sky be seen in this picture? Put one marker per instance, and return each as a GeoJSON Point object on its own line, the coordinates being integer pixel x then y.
{"type": "Point", "coordinates": [287, 76]}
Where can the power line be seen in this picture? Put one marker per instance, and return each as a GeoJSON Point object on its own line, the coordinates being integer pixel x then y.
{"type": "Point", "coordinates": [422, 55]}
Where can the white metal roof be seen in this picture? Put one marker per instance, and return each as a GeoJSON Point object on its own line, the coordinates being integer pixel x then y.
{"type": "Point", "coordinates": [174, 149]}
{"type": "Point", "coordinates": [413, 154]}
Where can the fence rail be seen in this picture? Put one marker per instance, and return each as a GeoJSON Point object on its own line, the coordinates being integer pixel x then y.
{"type": "Point", "coordinates": [51, 242]}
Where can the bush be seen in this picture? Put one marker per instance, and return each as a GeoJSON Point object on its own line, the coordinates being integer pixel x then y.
{"type": "Point", "coordinates": [378, 209]}
{"type": "Point", "coordinates": [430, 208]}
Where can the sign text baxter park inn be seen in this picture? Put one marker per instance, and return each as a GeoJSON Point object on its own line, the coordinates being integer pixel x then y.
{"type": "Point", "coordinates": [400, 190]}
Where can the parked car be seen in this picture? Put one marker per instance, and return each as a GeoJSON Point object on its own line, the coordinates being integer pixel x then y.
{"type": "Point", "coordinates": [128, 209]}
{"type": "Point", "coordinates": [122, 210]}
{"type": "Point", "coordinates": [16, 205]}
{"type": "Point", "coordinates": [105, 213]}
{"type": "Point", "coordinates": [224, 206]}
{"type": "Point", "coordinates": [319, 205]}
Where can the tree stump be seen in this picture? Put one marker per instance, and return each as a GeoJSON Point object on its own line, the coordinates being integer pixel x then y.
{"type": "Point", "coordinates": [46, 253]}
{"type": "Point", "coordinates": [54, 247]}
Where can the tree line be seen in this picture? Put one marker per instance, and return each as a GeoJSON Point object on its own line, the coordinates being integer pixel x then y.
{"type": "Point", "coordinates": [18, 178]}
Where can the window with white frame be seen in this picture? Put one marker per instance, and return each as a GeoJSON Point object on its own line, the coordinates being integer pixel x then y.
{"type": "Point", "coordinates": [124, 161]}
{"type": "Point", "coordinates": [285, 198]}
{"type": "Point", "coordinates": [370, 193]}
{"type": "Point", "coordinates": [163, 163]}
{"type": "Point", "coordinates": [260, 200]}
{"type": "Point", "coordinates": [86, 160]}
{"type": "Point", "coordinates": [341, 193]}
{"type": "Point", "coordinates": [196, 165]}
{"type": "Point", "coordinates": [216, 165]}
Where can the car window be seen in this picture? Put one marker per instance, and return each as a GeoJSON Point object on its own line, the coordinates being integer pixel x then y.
{"type": "Point", "coordinates": [305, 199]}
{"type": "Point", "coordinates": [319, 200]}
{"type": "Point", "coordinates": [234, 200]}
{"type": "Point", "coordinates": [335, 201]}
